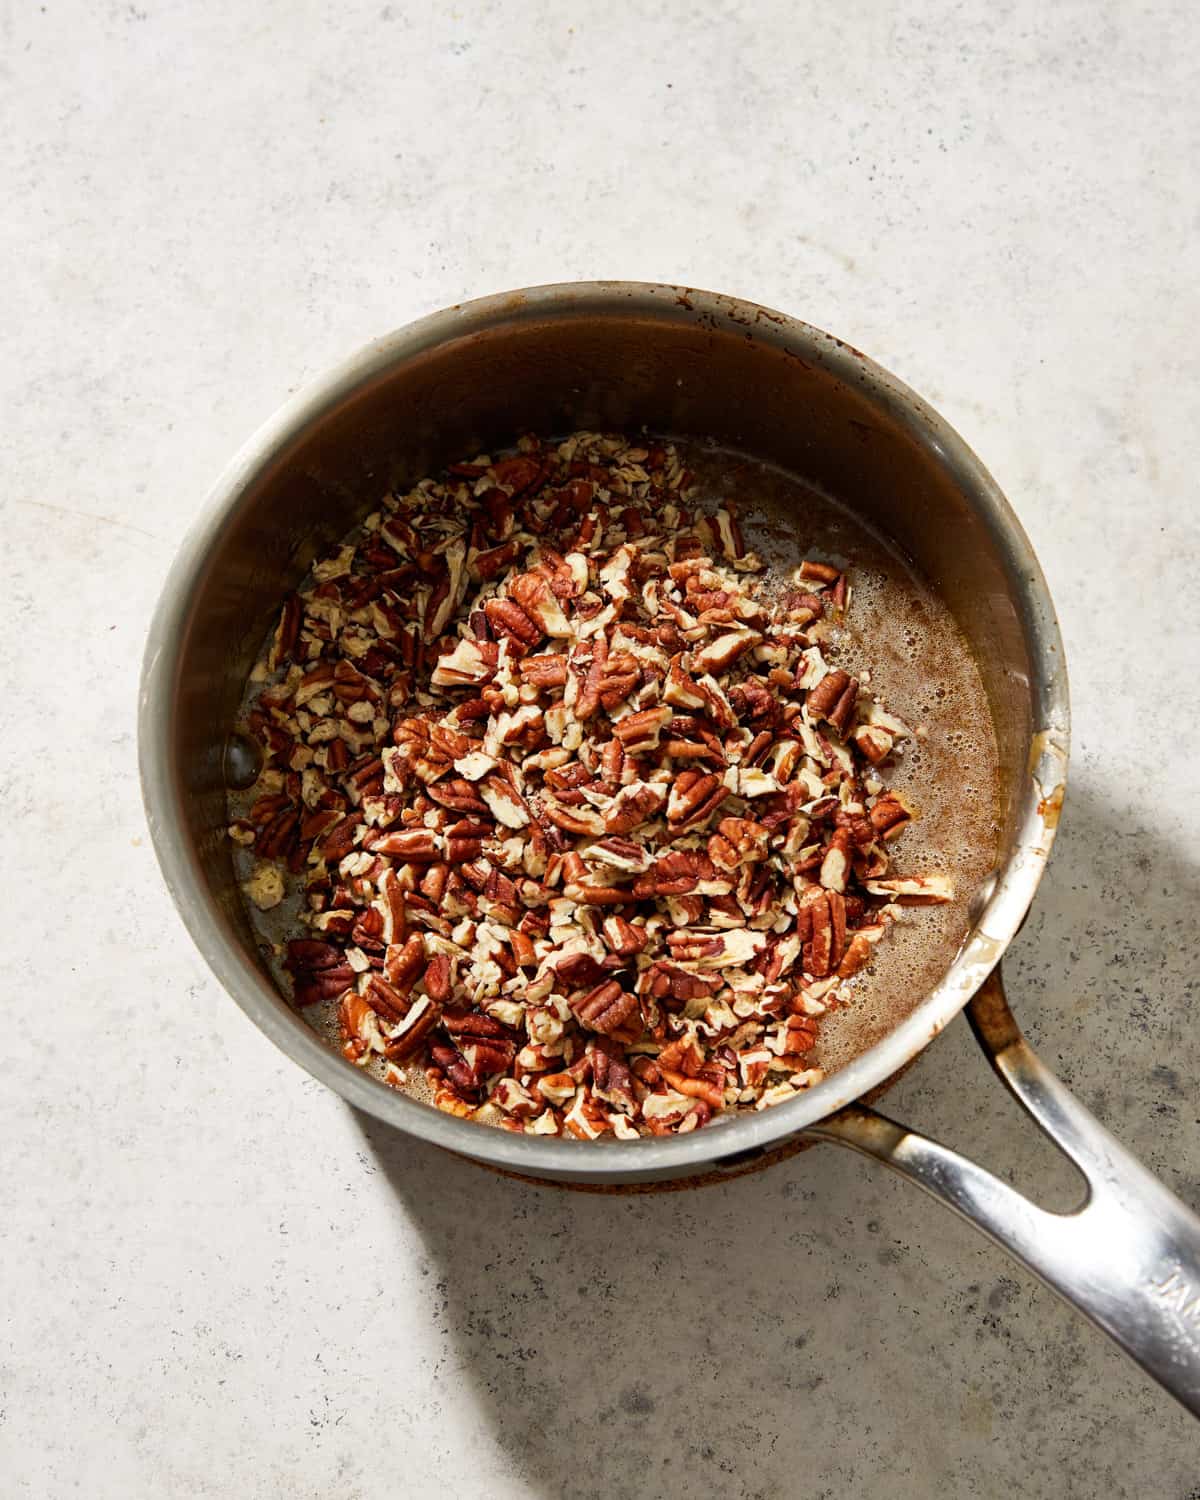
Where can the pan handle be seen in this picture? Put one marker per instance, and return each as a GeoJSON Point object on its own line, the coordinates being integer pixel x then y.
{"type": "Point", "coordinates": [1128, 1257]}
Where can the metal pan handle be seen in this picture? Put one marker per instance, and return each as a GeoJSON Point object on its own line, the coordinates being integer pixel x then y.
{"type": "Point", "coordinates": [1128, 1257]}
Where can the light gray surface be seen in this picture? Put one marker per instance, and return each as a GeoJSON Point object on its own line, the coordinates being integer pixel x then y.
{"type": "Point", "coordinates": [216, 1279]}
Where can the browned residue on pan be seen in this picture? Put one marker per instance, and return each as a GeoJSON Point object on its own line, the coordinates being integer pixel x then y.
{"type": "Point", "coordinates": [1050, 808]}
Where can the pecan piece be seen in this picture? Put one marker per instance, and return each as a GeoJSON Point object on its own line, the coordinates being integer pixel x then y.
{"type": "Point", "coordinates": [439, 978]}
{"type": "Point", "coordinates": [414, 845]}
{"type": "Point", "coordinates": [890, 815]}
{"type": "Point", "coordinates": [493, 561]}
{"type": "Point", "coordinates": [874, 741]}
{"type": "Point", "coordinates": [470, 664]}
{"type": "Point", "coordinates": [319, 971]}
{"type": "Point", "coordinates": [720, 654]}
{"type": "Point", "coordinates": [859, 951]}
{"type": "Point", "coordinates": [544, 671]}
{"type": "Point", "coordinates": [621, 937]}
{"type": "Point", "coordinates": [605, 1008]}
{"type": "Point", "coordinates": [585, 1119]}
{"type": "Point", "coordinates": [578, 820]}
{"type": "Point", "coordinates": [633, 806]}
{"type": "Point", "coordinates": [640, 732]}
{"type": "Point", "coordinates": [622, 854]}
{"type": "Point", "coordinates": [537, 599]}
{"type": "Point", "coordinates": [588, 701]}
{"type": "Point", "coordinates": [505, 805]}
{"type": "Point", "coordinates": [359, 1027]}
{"type": "Point", "coordinates": [833, 699]}
{"type": "Point", "coordinates": [445, 597]}
{"type": "Point", "coordinates": [821, 924]}
{"type": "Point", "coordinates": [403, 962]}
{"type": "Point", "coordinates": [283, 645]}
{"type": "Point", "coordinates": [835, 865]}
{"type": "Point", "coordinates": [693, 799]}
{"type": "Point", "coordinates": [737, 842]}
{"type": "Point", "coordinates": [716, 950]}
{"type": "Point", "coordinates": [383, 999]}
{"type": "Point", "coordinates": [597, 895]}
{"type": "Point", "coordinates": [612, 1080]}
{"type": "Point", "coordinates": [668, 981]}
{"type": "Point", "coordinates": [681, 691]}
{"type": "Point", "coordinates": [915, 890]}
{"type": "Point", "coordinates": [508, 619]}
{"type": "Point", "coordinates": [464, 842]}
{"type": "Point", "coordinates": [675, 873]}
{"type": "Point", "coordinates": [339, 840]}
{"type": "Point", "coordinates": [577, 970]}
{"type": "Point", "coordinates": [458, 795]}
{"type": "Point", "coordinates": [518, 475]}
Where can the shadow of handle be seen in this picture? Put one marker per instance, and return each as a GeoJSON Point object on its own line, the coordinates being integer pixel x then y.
{"type": "Point", "coordinates": [1128, 1257]}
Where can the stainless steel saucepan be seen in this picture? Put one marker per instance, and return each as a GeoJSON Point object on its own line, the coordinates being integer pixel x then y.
{"type": "Point", "coordinates": [621, 356]}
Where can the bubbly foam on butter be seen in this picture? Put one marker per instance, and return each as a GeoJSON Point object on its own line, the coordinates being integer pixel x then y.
{"type": "Point", "coordinates": [920, 668]}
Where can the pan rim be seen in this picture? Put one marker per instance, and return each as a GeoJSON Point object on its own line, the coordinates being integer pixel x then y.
{"type": "Point", "coordinates": [551, 1157]}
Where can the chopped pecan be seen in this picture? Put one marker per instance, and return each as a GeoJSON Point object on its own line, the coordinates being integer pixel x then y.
{"type": "Point", "coordinates": [605, 1008]}
{"type": "Point", "coordinates": [612, 1079]}
{"type": "Point", "coordinates": [493, 561]}
{"type": "Point", "coordinates": [506, 806]}
{"type": "Point", "coordinates": [622, 854]}
{"type": "Point", "coordinates": [458, 795]}
{"type": "Point", "coordinates": [822, 927]}
{"type": "Point", "coordinates": [544, 671]}
{"type": "Point", "coordinates": [537, 599]}
{"type": "Point", "coordinates": [914, 890]}
{"type": "Point", "coordinates": [403, 962]}
{"type": "Point", "coordinates": [833, 699]}
{"type": "Point", "coordinates": [639, 733]}
{"type": "Point", "coordinates": [890, 815]}
{"type": "Point", "coordinates": [634, 806]}
{"type": "Point", "coordinates": [519, 474]}
{"type": "Point", "coordinates": [383, 998]}
{"type": "Point", "coordinates": [577, 970]}
{"type": "Point", "coordinates": [439, 978]}
{"type": "Point", "coordinates": [359, 1027]}
{"type": "Point", "coordinates": [675, 873]}
{"type": "Point", "coordinates": [622, 937]}
{"type": "Point", "coordinates": [588, 701]}
{"type": "Point", "coordinates": [719, 655]}
{"type": "Point", "coordinates": [874, 741]}
{"type": "Point", "coordinates": [737, 842]}
{"type": "Point", "coordinates": [413, 846]}
{"type": "Point", "coordinates": [319, 971]}
{"type": "Point", "coordinates": [835, 865]}
{"type": "Point", "coordinates": [585, 1119]}
{"type": "Point", "coordinates": [817, 572]}
{"type": "Point", "coordinates": [667, 980]}
{"type": "Point", "coordinates": [468, 665]}
{"type": "Point", "coordinates": [681, 691]}
{"type": "Point", "coordinates": [579, 820]}
{"type": "Point", "coordinates": [694, 798]}
{"type": "Point", "coordinates": [509, 621]}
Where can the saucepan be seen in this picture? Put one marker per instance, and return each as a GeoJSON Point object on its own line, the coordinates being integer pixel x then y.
{"type": "Point", "coordinates": [623, 356]}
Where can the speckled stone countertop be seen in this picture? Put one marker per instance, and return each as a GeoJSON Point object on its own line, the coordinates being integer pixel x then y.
{"type": "Point", "coordinates": [217, 1279]}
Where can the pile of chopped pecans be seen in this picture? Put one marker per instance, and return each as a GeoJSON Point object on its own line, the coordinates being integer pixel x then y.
{"type": "Point", "coordinates": [588, 828]}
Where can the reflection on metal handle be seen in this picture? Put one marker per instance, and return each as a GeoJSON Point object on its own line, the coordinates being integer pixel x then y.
{"type": "Point", "coordinates": [1129, 1257]}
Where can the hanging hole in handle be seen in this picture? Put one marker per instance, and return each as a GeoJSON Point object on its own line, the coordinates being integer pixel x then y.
{"type": "Point", "coordinates": [984, 1120]}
